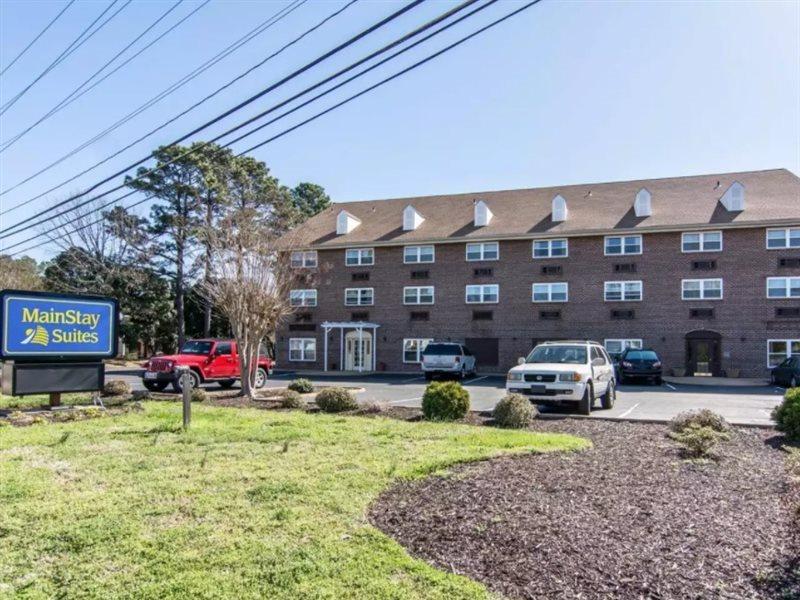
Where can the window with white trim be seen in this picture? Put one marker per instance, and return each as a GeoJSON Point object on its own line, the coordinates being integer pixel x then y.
{"type": "Point", "coordinates": [783, 287]}
{"type": "Point", "coordinates": [359, 257]}
{"type": "Point", "coordinates": [418, 295]}
{"type": "Point", "coordinates": [550, 248]}
{"type": "Point", "coordinates": [304, 259]}
{"type": "Point", "coordinates": [550, 292]}
{"type": "Point", "coordinates": [787, 237]}
{"type": "Point", "coordinates": [483, 294]}
{"type": "Point", "coordinates": [303, 298]}
{"type": "Point", "coordinates": [622, 291]}
{"type": "Point", "coordinates": [618, 346]}
{"type": "Point", "coordinates": [413, 349]}
{"type": "Point", "coordinates": [617, 245]}
{"type": "Point", "coordinates": [359, 296]}
{"type": "Point", "coordinates": [302, 349]}
{"type": "Point", "coordinates": [701, 289]}
{"type": "Point", "coordinates": [701, 241]}
{"type": "Point", "coordinates": [418, 255]}
{"type": "Point", "coordinates": [483, 251]}
{"type": "Point", "coordinates": [780, 350]}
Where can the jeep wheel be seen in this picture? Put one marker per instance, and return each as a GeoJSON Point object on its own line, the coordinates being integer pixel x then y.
{"type": "Point", "coordinates": [226, 384]}
{"type": "Point", "coordinates": [261, 378]}
{"type": "Point", "coordinates": [610, 396]}
{"type": "Point", "coordinates": [585, 404]}
{"type": "Point", "coordinates": [193, 383]}
{"type": "Point", "coordinates": [155, 386]}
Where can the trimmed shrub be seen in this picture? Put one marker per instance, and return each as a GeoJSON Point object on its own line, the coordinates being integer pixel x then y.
{"type": "Point", "coordinates": [445, 401]}
{"type": "Point", "coordinates": [699, 418]}
{"type": "Point", "coordinates": [698, 440]}
{"type": "Point", "coordinates": [336, 399]}
{"type": "Point", "coordinates": [199, 395]}
{"type": "Point", "coordinates": [302, 386]}
{"type": "Point", "coordinates": [372, 408]}
{"type": "Point", "coordinates": [787, 414]}
{"type": "Point", "coordinates": [514, 411]}
{"type": "Point", "coordinates": [116, 387]}
{"type": "Point", "coordinates": [291, 399]}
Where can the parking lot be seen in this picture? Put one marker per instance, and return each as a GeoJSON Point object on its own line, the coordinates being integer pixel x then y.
{"type": "Point", "coordinates": [748, 405]}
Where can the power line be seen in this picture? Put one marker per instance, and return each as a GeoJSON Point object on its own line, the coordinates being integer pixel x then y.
{"type": "Point", "coordinates": [224, 53]}
{"type": "Point", "coordinates": [79, 91]}
{"type": "Point", "coordinates": [341, 103]}
{"type": "Point", "coordinates": [73, 46]}
{"type": "Point", "coordinates": [218, 118]}
{"type": "Point", "coordinates": [34, 40]}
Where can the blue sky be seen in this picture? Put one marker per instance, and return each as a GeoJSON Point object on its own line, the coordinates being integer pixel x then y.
{"type": "Point", "coordinates": [566, 92]}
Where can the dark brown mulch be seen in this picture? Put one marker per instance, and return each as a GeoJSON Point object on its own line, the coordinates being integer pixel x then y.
{"type": "Point", "coordinates": [627, 519]}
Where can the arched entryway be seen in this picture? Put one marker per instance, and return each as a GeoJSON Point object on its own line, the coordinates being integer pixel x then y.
{"type": "Point", "coordinates": [358, 351]}
{"type": "Point", "coordinates": [703, 353]}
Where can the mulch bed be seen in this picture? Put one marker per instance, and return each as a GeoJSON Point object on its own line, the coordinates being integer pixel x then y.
{"type": "Point", "coordinates": [629, 518]}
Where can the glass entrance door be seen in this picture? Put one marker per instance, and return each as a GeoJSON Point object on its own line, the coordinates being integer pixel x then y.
{"type": "Point", "coordinates": [358, 351]}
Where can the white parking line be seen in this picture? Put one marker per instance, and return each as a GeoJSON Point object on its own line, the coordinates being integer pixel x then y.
{"type": "Point", "coordinates": [405, 400]}
{"type": "Point", "coordinates": [476, 379]}
{"type": "Point", "coordinates": [412, 379]}
{"type": "Point", "coordinates": [779, 389]}
{"type": "Point", "coordinates": [629, 411]}
{"type": "Point", "coordinates": [672, 387]}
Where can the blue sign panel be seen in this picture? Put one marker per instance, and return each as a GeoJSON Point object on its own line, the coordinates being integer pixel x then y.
{"type": "Point", "coordinates": [37, 325]}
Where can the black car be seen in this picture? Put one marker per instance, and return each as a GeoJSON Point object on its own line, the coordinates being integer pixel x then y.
{"type": "Point", "coordinates": [787, 373]}
{"type": "Point", "coordinates": [635, 363]}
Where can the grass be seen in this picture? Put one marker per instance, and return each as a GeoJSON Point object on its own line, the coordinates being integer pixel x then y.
{"type": "Point", "coordinates": [247, 504]}
{"type": "Point", "coordinates": [37, 400]}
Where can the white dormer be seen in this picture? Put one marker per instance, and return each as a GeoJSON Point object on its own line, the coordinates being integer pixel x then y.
{"type": "Point", "coordinates": [345, 222]}
{"type": "Point", "coordinates": [483, 216]}
{"type": "Point", "coordinates": [642, 205]}
{"type": "Point", "coordinates": [559, 209]}
{"type": "Point", "coordinates": [411, 218]}
{"type": "Point", "coordinates": [733, 198]}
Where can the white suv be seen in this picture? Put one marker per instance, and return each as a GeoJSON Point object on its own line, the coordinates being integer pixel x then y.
{"type": "Point", "coordinates": [440, 358]}
{"type": "Point", "coordinates": [576, 372]}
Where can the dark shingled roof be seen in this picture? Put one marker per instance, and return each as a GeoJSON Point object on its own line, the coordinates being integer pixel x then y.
{"type": "Point", "coordinates": [771, 198]}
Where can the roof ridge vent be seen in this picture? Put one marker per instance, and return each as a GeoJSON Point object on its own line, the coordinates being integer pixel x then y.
{"type": "Point", "coordinates": [411, 218]}
{"type": "Point", "coordinates": [346, 222]}
{"type": "Point", "coordinates": [482, 214]}
{"type": "Point", "coordinates": [643, 205]}
{"type": "Point", "coordinates": [733, 198]}
{"type": "Point", "coordinates": [559, 209]}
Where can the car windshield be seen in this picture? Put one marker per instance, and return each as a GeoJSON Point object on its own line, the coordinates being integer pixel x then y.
{"type": "Point", "coordinates": [196, 347]}
{"type": "Point", "coordinates": [442, 350]}
{"type": "Point", "coordinates": [641, 355]}
{"type": "Point", "coordinates": [572, 355]}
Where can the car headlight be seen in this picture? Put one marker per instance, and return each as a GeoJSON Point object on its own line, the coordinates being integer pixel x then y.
{"type": "Point", "coordinates": [512, 376]}
{"type": "Point", "coordinates": [657, 365]}
{"type": "Point", "coordinates": [574, 376]}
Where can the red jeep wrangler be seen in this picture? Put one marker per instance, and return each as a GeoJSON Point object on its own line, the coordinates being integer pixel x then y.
{"type": "Point", "coordinates": [208, 360]}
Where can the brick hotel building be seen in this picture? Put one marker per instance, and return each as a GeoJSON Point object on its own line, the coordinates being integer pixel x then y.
{"type": "Point", "coordinates": [703, 269]}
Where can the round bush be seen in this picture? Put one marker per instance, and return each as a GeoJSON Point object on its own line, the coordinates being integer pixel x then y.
{"type": "Point", "coordinates": [116, 387]}
{"type": "Point", "coordinates": [291, 399]}
{"type": "Point", "coordinates": [514, 411]}
{"type": "Point", "coordinates": [335, 399]}
{"type": "Point", "coordinates": [199, 395]}
{"type": "Point", "coordinates": [698, 418]}
{"type": "Point", "coordinates": [302, 386]}
{"type": "Point", "coordinates": [445, 401]}
{"type": "Point", "coordinates": [787, 414]}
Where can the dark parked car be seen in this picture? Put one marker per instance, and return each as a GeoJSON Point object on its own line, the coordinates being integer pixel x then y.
{"type": "Point", "coordinates": [787, 373]}
{"type": "Point", "coordinates": [635, 363]}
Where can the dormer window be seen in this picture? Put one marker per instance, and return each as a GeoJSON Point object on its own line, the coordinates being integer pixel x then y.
{"type": "Point", "coordinates": [482, 214]}
{"type": "Point", "coordinates": [346, 222]}
{"type": "Point", "coordinates": [411, 219]}
{"type": "Point", "coordinates": [733, 198]}
{"type": "Point", "coordinates": [642, 205]}
{"type": "Point", "coordinates": [559, 209]}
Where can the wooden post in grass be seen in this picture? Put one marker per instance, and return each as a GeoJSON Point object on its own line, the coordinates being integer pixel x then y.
{"type": "Point", "coordinates": [55, 399]}
{"type": "Point", "coordinates": [186, 392]}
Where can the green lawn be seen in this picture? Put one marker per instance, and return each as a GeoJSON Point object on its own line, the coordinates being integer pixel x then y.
{"type": "Point", "coordinates": [248, 504]}
{"type": "Point", "coordinates": [37, 400]}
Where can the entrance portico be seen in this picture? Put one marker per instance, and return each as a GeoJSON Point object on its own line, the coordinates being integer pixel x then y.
{"type": "Point", "coordinates": [357, 347]}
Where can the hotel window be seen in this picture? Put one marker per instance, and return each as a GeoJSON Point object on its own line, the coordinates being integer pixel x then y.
{"type": "Point", "coordinates": [303, 298]}
{"type": "Point", "coordinates": [359, 296]}
{"type": "Point", "coordinates": [701, 289]}
{"type": "Point", "coordinates": [780, 350]}
{"type": "Point", "coordinates": [483, 251]}
{"type": "Point", "coordinates": [617, 346]}
{"type": "Point", "coordinates": [418, 254]}
{"type": "Point", "coordinates": [418, 295]}
{"type": "Point", "coordinates": [623, 244]}
{"type": "Point", "coordinates": [413, 349]}
{"type": "Point", "coordinates": [788, 237]}
{"type": "Point", "coordinates": [550, 248]}
{"type": "Point", "coordinates": [483, 294]}
{"type": "Point", "coordinates": [550, 292]}
{"type": "Point", "coordinates": [305, 259]}
{"type": "Point", "coordinates": [783, 287]}
{"type": "Point", "coordinates": [358, 257]}
{"type": "Point", "coordinates": [705, 241]}
{"type": "Point", "coordinates": [622, 291]}
{"type": "Point", "coordinates": [302, 349]}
